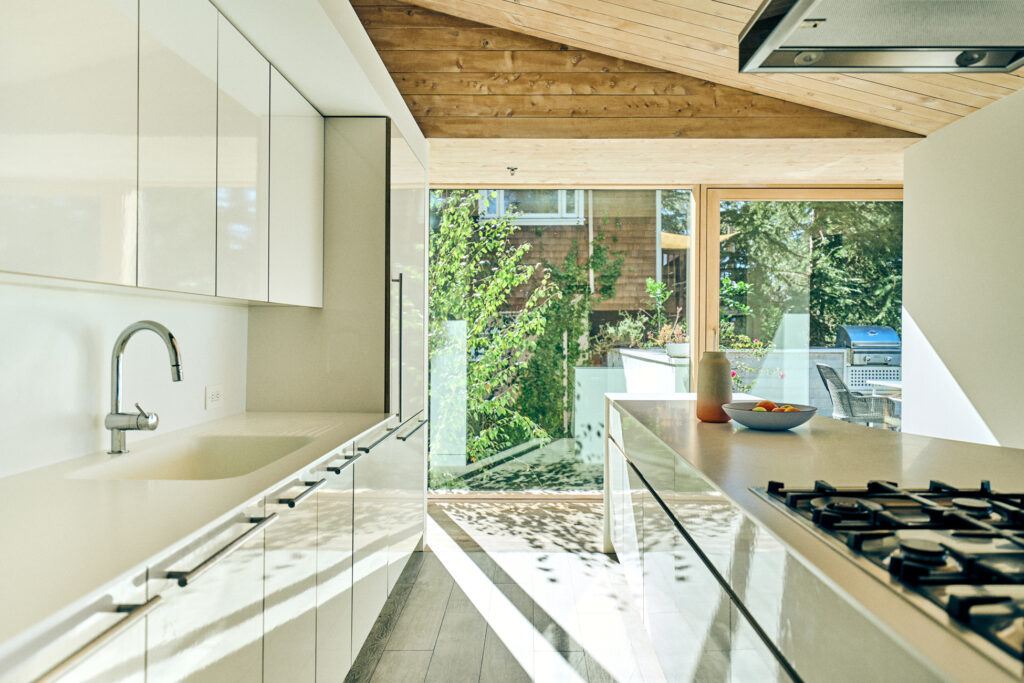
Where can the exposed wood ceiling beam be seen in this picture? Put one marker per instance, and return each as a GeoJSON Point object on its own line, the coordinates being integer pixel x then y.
{"type": "Point", "coordinates": [664, 163]}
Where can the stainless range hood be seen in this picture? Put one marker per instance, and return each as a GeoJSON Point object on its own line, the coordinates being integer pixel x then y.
{"type": "Point", "coordinates": [885, 36]}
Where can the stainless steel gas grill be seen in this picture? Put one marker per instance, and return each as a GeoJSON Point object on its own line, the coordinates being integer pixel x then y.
{"type": "Point", "coordinates": [872, 353]}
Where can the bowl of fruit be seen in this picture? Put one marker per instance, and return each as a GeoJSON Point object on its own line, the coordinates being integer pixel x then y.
{"type": "Point", "coordinates": [768, 415]}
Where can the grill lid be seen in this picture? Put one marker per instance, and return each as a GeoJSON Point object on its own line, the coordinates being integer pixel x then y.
{"type": "Point", "coordinates": [867, 337]}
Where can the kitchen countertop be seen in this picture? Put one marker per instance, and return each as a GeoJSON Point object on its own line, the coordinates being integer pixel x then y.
{"type": "Point", "coordinates": [64, 538]}
{"type": "Point", "coordinates": [734, 459]}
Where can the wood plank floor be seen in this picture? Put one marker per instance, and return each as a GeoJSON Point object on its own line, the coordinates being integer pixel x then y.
{"type": "Point", "coordinates": [510, 591]}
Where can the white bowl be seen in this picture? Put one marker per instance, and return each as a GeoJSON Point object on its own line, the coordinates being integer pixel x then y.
{"type": "Point", "coordinates": [742, 412]}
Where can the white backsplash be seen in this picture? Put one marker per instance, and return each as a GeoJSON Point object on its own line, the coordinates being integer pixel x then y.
{"type": "Point", "coordinates": [55, 343]}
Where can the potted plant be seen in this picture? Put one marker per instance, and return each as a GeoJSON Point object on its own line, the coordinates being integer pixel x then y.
{"type": "Point", "coordinates": [673, 338]}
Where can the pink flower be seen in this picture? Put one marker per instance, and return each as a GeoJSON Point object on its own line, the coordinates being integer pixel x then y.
{"type": "Point", "coordinates": [755, 341]}
{"type": "Point", "coordinates": [782, 375]}
{"type": "Point", "coordinates": [733, 373]}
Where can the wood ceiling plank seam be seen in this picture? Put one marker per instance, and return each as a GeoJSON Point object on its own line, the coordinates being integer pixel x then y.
{"type": "Point", "coordinates": [817, 89]}
{"type": "Point", "coordinates": [696, 105]}
{"type": "Point", "coordinates": [927, 88]}
{"type": "Point", "coordinates": [507, 61]}
{"type": "Point", "coordinates": [853, 105]}
{"type": "Point", "coordinates": [896, 99]}
{"type": "Point", "coordinates": [535, 20]}
{"type": "Point", "coordinates": [642, 23]}
{"type": "Point", "coordinates": [488, 83]}
{"type": "Point", "coordinates": [824, 126]}
{"type": "Point", "coordinates": [738, 16]}
{"type": "Point", "coordinates": [725, 28]}
{"type": "Point", "coordinates": [462, 39]}
{"type": "Point", "coordinates": [918, 97]}
{"type": "Point", "coordinates": [410, 16]}
{"type": "Point", "coordinates": [1014, 81]}
{"type": "Point", "coordinates": [956, 82]}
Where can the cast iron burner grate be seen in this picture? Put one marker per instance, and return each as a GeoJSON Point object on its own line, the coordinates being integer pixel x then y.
{"type": "Point", "coordinates": [962, 549]}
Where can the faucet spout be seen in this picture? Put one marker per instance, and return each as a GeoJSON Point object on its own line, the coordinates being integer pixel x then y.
{"type": "Point", "coordinates": [118, 422]}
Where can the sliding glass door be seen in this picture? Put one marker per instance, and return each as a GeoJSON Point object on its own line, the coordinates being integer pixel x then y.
{"type": "Point", "coordinates": [788, 270]}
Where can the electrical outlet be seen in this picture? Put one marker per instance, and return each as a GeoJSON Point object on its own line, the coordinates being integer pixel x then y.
{"type": "Point", "coordinates": [214, 396]}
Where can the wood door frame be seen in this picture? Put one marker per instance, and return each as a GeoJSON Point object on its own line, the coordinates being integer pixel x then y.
{"type": "Point", "coordinates": [706, 274]}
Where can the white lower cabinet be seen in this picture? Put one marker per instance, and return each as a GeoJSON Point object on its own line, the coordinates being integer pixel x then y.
{"type": "Point", "coordinates": [103, 642]}
{"type": "Point", "coordinates": [406, 484]}
{"type": "Point", "coordinates": [286, 591]}
{"type": "Point", "coordinates": [334, 575]}
{"type": "Point", "coordinates": [371, 537]}
{"type": "Point", "coordinates": [211, 629]}
{"type": "Point", "coordinates": [290, 584]}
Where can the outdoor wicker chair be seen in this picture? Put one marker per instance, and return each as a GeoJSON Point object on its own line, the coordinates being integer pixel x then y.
{"type": "Point", "coordinates": [851, 406]}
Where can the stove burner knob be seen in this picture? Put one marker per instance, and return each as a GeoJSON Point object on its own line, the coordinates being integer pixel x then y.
{"type": "Point", "coordinates": [867, 359]}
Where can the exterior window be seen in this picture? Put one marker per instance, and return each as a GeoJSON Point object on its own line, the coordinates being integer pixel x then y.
{"type": "Point", "coordinates": [535, 207]}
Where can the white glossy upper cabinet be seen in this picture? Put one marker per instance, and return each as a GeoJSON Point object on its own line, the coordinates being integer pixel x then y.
{"type": "Point", "coordinates": [408, 221]}
{"type": "Point", "coordinates": [243, 155]}
{"type": "Point", "coordinates": [68, 96]}
{"type": "Point", "coordinates": [296, 197]}
{"type": "Point", "coordinates": [178, 145]}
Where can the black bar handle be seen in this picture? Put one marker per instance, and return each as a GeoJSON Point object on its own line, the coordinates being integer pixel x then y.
{"type": "Point", "coordinates": [185, 578]}
{"type": "Point", "coordinates": [416, 429]}
{"type": "Point", "coordinates": [401, 301]}
{"type": "Point", "coordinates": [313, 486]}
{"type": "Point", "coordinates": [367, 449]}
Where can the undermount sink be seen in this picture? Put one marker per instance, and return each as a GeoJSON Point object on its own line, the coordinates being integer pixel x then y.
{"type": "Point", "coordinates": [198, 457]}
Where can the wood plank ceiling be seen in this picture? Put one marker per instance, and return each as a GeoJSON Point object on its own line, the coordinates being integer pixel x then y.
{"type": "Point", "coordinates": [463, 79]}
{"type": "Point", "coordinates": [485, 80]}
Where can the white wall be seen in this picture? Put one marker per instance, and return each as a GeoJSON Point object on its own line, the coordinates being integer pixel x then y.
{"type": "Point", "coordinates": [55, 343]}
{"type": "Point", "coordinates": [963, 279]}
{"type": "Point", "coordinates": [334, 358]}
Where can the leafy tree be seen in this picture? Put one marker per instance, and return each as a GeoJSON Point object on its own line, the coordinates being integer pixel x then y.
{"type": "Point", "coordinates": [839, 262]}
{"type": "Point", "coordinates": [474, 269]}
{"type": "Point", "coordinates": [566, 334]}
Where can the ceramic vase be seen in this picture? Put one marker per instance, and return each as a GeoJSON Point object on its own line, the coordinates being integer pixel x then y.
{"type": "Point", "coordinates": [714, 386]}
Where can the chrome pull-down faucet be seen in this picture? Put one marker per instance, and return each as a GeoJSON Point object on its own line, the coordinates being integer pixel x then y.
{"type": "Point", "coordinates": [116, 421]}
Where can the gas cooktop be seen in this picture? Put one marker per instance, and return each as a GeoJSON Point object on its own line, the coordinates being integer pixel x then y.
{"type": "Point", "coordinates": [961, 549]}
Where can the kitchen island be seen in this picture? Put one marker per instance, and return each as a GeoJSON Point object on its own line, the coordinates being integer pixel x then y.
{"type": "Point", "coordinates": [732, 582]}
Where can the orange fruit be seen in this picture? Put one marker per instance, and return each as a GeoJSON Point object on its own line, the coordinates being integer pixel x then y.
{"type": "Point", "coordinates": [767, 405]}
{"type": "Point", "coordinates": [791, 409]}
{"type": "Point", "coordinates": [779, 410]}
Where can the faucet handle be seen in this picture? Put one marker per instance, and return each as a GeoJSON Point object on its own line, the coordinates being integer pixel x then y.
{"type": "Point", "coordinates": [146, 421]}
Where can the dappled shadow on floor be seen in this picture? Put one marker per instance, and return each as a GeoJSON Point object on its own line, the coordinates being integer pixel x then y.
{"type": "Point", "coordinates": [554, 467]}
{"type": "Point", "coordinates": [511, 591]}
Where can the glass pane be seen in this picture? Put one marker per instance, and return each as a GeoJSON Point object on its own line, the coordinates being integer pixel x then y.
{"type": "Point", "coordinates": [532, 201]}
{"type": "Point", "coordinates": [532, 325]}
{"type": "Point", "coordinates": [570, 202]}
{"type": "Point", "coordinates": [792, 273]}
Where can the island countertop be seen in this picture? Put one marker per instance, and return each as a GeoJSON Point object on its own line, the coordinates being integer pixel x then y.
{"type": "Point", "coordinates": [65, 537]}
{"type": "Point", "coordinates": [735, 459]}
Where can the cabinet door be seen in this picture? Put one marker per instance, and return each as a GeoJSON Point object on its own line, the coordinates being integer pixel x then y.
{"type": "Point", "coordinates": [372, 532]}
{"type": "Point", "coordinates": [407, 487]}
{"type": "Point", "coordinates": [243, 154]}
{"type": "Point", "coordinates": [694, 626]}
{"type": "Point", "coordinates": [408, 221]}
{"type": "Point", "coordinates": [211, 629]}
{"type": "Point", "coordinates": [178, 145]}
{"type": "Point", "coordinates": [289, 589]}
{"type": "Point", "coordinates": [68, 105]}
{"type": "Point", "coordinates": [297, 197]}
{"type": "Point", "coordinates": [334, 577]}
{"type": "Point", "coordinates": [62, 651]}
